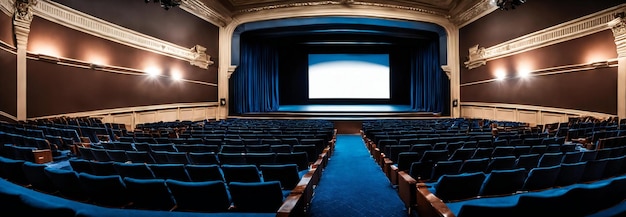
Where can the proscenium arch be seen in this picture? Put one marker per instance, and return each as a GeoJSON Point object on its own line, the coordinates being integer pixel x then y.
{"type": "Point", "coordinates": [451, 35]}
{"type": "Point", "coordinates": [368, 21]}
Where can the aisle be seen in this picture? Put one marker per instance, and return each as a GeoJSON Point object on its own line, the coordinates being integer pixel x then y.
{"type": "Point", "coordinates": [354, 185]}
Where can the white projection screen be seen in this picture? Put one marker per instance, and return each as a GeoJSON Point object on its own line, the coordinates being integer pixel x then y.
{"type": "Point", "coordinates": [349, 76]}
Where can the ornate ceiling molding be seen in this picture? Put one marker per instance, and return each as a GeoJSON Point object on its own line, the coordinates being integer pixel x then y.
{"type": "Point", "coordinates": [577, 28]}
{"type": "Point", "coordinates": [477, 11]}
{"type": "Point", "coordinates": [77, 20]}
{"type": "Point", "coordinates": [7, 7]}
{"type": "Point", "coordinates": [618, 26]}
{"type": "Point", "coordinates": [347, 3]}
{"type": "Point", "coordinates": [207, 12]}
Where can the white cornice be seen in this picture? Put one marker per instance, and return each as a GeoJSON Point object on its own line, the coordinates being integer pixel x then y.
{"type": "Point", "coordinates": [477, 11]}
{"type": "Point", "coordinates": [570, 30]}
{"type": "Point", "coordinates": [129, 110]}
{"type": "Point", "coordinates": [537, 108]}
{"type": "Point", "coordinates": [91, 25]}
{"type": "Point", "coordinates": [210, 13]}
{"type": "Point", "coordinates": [7, 7]}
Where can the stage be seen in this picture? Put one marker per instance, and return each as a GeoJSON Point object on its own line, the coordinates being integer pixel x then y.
{"type": "Point", "coordinates": [343, 112]}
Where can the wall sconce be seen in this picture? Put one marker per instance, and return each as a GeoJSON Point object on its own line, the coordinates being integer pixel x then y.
{"type": "Point", "coordinates": [47, 58]}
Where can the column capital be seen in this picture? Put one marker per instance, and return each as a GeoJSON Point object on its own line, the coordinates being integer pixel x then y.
{"type": "Point", "coordinates": [618, 26]}
{"type": "Point", "coordinates": [22, 18]}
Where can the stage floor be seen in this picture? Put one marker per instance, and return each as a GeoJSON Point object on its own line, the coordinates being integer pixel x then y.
{"type": "Point", "coordinates": [345, 108]}
{"type": "Point", "coordinates": [342, 112]}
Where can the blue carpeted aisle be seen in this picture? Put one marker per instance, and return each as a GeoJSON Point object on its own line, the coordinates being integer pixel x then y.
{"type": "Point", "coordinates": [353, 185]}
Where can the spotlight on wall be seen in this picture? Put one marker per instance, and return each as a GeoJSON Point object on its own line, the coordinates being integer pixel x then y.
{"type": "Point", "coordinates": [523, 73]}
{"type": "Point", "coordinates": [166, 4]}
{"type": "Point", "coordinates": [177, 76]}
{"type": "Point", "coordinates": [223, 101]}
{"type": "Point", "coordinates": [153, 71]}
{"type": "Point", "coordinates": [509, 4]}
{"type": "Point", "coordinates": [500, 75]}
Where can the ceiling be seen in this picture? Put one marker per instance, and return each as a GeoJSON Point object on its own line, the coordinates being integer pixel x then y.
{"type": "Point", "coordinates": [447, 7]}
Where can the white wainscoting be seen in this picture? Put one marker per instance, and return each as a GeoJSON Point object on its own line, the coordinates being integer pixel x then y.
{"type": "Point", "coordinates": [148, 114]}
{"type": "Point", "coordinates": [533, 115]}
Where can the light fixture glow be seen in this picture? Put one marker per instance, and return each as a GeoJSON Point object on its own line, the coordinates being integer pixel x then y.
{"type": "Point", "coordinates": [523, 73]}
{"type": "Point", "coordinates": [500, 74]}
{"type": "Point", "coordinates": [153, 71]}
{"type": "Point", "coordinates": [177, 76]}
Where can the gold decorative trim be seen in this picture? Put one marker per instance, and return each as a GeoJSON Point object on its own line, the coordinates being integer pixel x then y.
{"type": "Point", "coordinates": [570, 30]}
{"type": "Point", "coordinates": [77, 20]}
{"type": "Point", "coordinates": [345, 2]}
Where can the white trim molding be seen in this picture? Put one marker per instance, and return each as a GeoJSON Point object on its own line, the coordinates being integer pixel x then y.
{"type": "Point", "coordinates": [7, 115]}
{"type": "Point", "coordinates": [557, 70]}
{"type": "Point", "coordinates": [534, 115]}
{"type": "Point", "coordinates": [7, 7]}
{"type": "Point", "coordinates": [77, 20]}
{"type": "Point", "coordinates": [213, 13]}
{"type": "Point", "coordinates": [474, 13]}
{"type": "Point", "coordinates": [131, 116]}
{"type": "Point", "coordinates": [570, 30]}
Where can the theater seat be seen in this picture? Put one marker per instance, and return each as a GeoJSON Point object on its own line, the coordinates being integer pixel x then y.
{"type": "Point", "coordinates": [458, 187]}
{"type": "Point", "coordinates": [262, 197]}
{"type": "Point", "coordinates": [108, 191]}
{"type": "Point", "coordinates": [151, 194]}
{"type": "Point", "coordinates": [207, 196]}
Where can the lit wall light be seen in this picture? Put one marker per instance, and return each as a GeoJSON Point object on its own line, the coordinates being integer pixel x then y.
{"type": "Point", "coordinates": [177, 76]}
{"type": "Point", "coordinates": [500, 74]}
{"type": "Point", "coordinates": [524, 73]}
{"type": "Point", "coordinates": [153, 71]}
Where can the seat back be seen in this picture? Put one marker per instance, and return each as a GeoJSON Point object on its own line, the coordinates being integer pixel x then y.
{"type": "Point", "coordinates": [213, 193]}
{"type": "Point", "coordinates": [541, 178]}
{"type": "Point", "coordinates": [500, 182]}
{"type": "Point", "coordinates": [460, 186]}
{"type": "Point", "coordinates": [261, 197]}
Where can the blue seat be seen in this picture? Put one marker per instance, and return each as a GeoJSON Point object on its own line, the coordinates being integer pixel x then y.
{"type": "Point", "coordinates": [36, 176]}
{"type": "Point", "coordinates": [100, 155]}
{"type": "Point", "coordinates": [117, 155]}
{"type": "Point", "coordinates": [298, 158]}
{"type": "Point", "coordinates": [12, 170]}
{"type": "Point", "coordinates": [199, 173]}
{"type": "Point", "coordinates": [139, 157]}
{"type": "Point", "coordinates": [541, 178]}
{"type": "Point", "coordinates": [213, 194]}
{"type": "Point", "coordinates": [177, 157]}
{"type": "Point", "coordinates": [501, 163]}
{"type": "Point", "coordinates": [80, 165]}
{"type": "Point", "coordinates": [260, 158]}
{"type": "Point", "coordinates": [261, 197]}
{"type": "Point", "coordinates": [67, 182]}
{"type": "Point", "coordinates": [589, 155]}
{"type": "Point", "coordinates": [202, 158]}
{"type": "Point", "coordinates": [474, 165]}
{"type": "Point", "coordinates": [500, 182]}
{"type": "Point", "coordinates": [462, 154]}
{"type": "Point", "coordinates": [613, 166]}
{"type": "Point", "coordinates": [458, 187]}
{"type": "Point", "coordinates": [446, 168]}
{"type": "Point", "coordinates": [231, 158]}
{"type": "Point", "coordinates": [572, 157]}
{"type": "Point", "coordinates": [241, 173]}
{"type": "Point", "coordinates": [502, 151]}
{"type": "Point", "coordinates": [108, 191]}
{"type": "Point", "coordinates": [151, 194]}
{"type": "Point", "coordinates": [594, 170]}
{"type": "Point", "coordinates": [570, 173]}
{"type": "Point", "coordinates": [405, 159]}
{"type": "Point", "coordinates": [550, 159]}
{"type": "Point", "coordinates": [527, 161]}
{"type": "Point", "coordinates": [102, 168]}
{"type": "Point", "coordinates": [286, 174]}
{"type": "Point", "coordinates": [170, 171]}
{"type": "Point", "coordinates": [133, 170]}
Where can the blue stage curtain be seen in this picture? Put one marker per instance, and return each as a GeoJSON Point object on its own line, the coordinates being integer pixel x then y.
{"type": "Point", "coordinates": [430, 87]}
{"type": "Point", "coordinates": [255, 81]}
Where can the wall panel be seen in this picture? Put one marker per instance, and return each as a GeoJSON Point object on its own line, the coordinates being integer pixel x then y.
{"type": "Point", "coordinates": [6, 29]}
{"type": "Point", "coordinates": [8, 82]}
